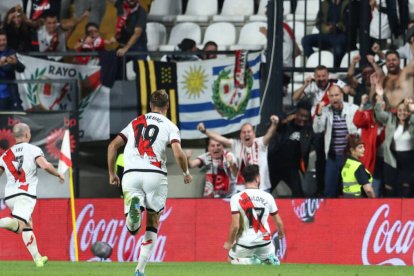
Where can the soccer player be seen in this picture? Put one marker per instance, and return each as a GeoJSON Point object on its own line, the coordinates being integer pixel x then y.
{"type": "Point", "coordinates": [249, 240]}
{"type": "Point", "coordinates": [20, 164]}
{"type": "Point", "coordinates": [145, 173]}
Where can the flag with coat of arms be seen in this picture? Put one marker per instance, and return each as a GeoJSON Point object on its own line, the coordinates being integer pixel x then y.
{"type": "Point", "coordinates": [222, 93]}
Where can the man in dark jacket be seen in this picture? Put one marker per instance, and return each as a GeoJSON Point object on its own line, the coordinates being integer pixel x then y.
{"type": "Point", "coordinates": [289, 148]}
{"type": "Point", "coordinates": [9, 96]}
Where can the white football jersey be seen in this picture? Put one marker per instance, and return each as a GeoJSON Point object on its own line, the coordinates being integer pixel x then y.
{"type": "Point", "coordinates": [19, 163]}
{"type": "Point", "coordinates": [254, 207]}
{"type": "Point", "coordinates": [146, 139]}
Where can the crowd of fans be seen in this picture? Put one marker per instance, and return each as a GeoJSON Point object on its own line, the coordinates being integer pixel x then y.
{"type": "Point", "coordinates": [325, 116]}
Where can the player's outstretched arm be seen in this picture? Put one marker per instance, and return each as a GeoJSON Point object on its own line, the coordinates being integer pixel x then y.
{"type": "Point", "coordinates": [181, 159]}
{"type": "Point", "coordinates": [214, 135]}
{"type": "Point", "coordinates": [234, 229]}
{"type": "Point", "coordinates": [112, 152]}
{"type": "Point", "coordinates": [280, 227]}
{"type": "Point", "coordinates": [44, 164]}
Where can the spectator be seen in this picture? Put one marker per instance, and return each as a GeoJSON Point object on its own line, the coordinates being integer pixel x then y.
{"type": "Point", "coordinates": [93, 41]}
{"type": "Point", "coordinates": [331, 22]}
{"type": "Point", "coordinates": [19, 30]}
{"type": "Point", "coordinates": [399, 146]}
{"type": "Point", "coordinates": [336, 122]}
{"type": "Point", "coordinates": [359, 88]}
{"type": "Point", "coordinates": [53, 35]}
{"type": "Point", "coordinates": [357, 181]}
{"type": "Point", "coordinates": [289, 149]}
{"type": "Point", "coordinates": [131, 28]}
{"type": "Point", "coordinates": [220, 170]}
{"type": "Point", "coordinates": [406, 51]}
{"type": "Point", "coordinates": [9, 64]}
{"type": "Point", "coordinates": [372, 134]}
{"type": "Point", "coordinates": [391, 81]}
{"type": "Point", "coordinates": [248, 150]}
{"type": "Point", "coordinates": [210, 46]}
{"type": "Point", "coordinates": [379, 27]}
{"type": "Point", "coordinates": [186, 45]}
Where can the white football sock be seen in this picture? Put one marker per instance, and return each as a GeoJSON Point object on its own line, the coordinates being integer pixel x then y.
{"type": "Point", "coordinates": [29, 240]}
{"type": "Point", "coordinates": [147, 246]}
{"type": "Point", "coordinates": [9, 223]}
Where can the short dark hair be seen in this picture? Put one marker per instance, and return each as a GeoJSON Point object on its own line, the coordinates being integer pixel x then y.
{"type": "Point", "coordinates": [91, 24]}
{"type": "Point", "coordinates": [3, 32]}
{"type": "Point", "coordinates": [390, 52]}
{"type": "Point", "coordinates": [250, 173]}
{"type": "Point", "coordinates": [304, 104]}
{"type": "Point", "coordinates": [353, 140]}
{"type": "Point", "coordinates": [320, 68]}
{"type": "Point", "coordinates": [49, 13]}
{"type": "Point", "coordinates": [212, 43]}
{"type": "Point", "coordinates": [159, 98]}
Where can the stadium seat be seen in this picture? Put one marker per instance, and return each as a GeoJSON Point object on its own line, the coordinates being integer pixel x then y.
{"type": "Point", "coordinates": [347, 58]}
{"type": "Point", "coordinates": [179, 32]}
{"type": "Point", "coordinates": [235, 10]}
{"type": "Point", "coordinates": [156, 35]}
{"type": "Point", "coordinates": [327, 59]}
{"type": "Point", "coordinates": [261, 12]}
{"type": "Point", "coordinates": [222, 33]}
{"type": "Point", "coordinates": [250, 37]}
{"type": "Point", "coordinates": [310, 7]}
{"type": "Point", "coordinates": [164, 10]}
{"type": "Point", "coordinates": [199, 11]}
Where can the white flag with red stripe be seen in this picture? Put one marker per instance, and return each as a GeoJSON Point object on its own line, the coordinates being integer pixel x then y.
{"type": "Point", "coordinates": [65, 160]}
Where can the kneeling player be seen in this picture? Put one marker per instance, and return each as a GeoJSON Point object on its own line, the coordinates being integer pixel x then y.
{"type": "Point", "coordinates": [249, 240]}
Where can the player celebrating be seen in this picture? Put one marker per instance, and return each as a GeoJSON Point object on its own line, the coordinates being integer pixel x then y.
{"type": "Point", "coordinates": [20, 164]}
{"type": "Point", "coordinates": [145, 173]}
{"type": "Point", "coordinates": [249, 239]}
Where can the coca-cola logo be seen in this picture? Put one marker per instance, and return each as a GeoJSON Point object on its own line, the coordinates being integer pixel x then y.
{"type": "Point", "coordinates": [280, 246]}
{"type": "Point", "coordinates": [112, 231]}
{"type": "Point", "coordinates": [388, 242]}
{"type": "Point", "coordinates": [306, 209]}
{"type": "Point", "coordinates": [2, 205]}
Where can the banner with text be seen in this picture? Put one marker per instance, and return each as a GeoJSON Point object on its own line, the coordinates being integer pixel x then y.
{"type": "Point", "coordinates": [55, 95]}
{"type": "Point", "coordinates": [332, 231]}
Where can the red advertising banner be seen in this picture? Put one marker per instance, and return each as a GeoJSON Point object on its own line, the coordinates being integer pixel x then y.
{"type": "Point", "coordinates": [332, 231]}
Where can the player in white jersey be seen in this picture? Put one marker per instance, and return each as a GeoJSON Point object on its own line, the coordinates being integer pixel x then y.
{"type": "Point", "coordinates": [249, 240]}
{"type": "Point", "coordinates": [144, 182]}
{"type": "Point", "coordinates": [20, 164]}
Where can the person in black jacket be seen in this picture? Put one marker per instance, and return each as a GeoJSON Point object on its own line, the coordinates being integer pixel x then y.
{"type": "Point", "coordinates": [289, 149]}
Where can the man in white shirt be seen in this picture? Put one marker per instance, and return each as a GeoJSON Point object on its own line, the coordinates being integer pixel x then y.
{"type": "Point", "coordinates": [20, 163]}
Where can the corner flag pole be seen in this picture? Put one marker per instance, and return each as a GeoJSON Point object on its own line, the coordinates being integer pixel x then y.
{"type": "Point", "coordinates": [65, 163]}
{"type": "Point", "coordinates": [73, 211]}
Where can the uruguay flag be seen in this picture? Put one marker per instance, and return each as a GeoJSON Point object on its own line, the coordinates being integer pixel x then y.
{"type": "Point", "coordinates": [206, 93]}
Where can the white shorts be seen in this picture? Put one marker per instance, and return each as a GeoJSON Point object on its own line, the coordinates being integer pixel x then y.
{"type": "Point", "coordinates": [150, 187]}
{"type": "Point", "coordinates": [22, 207]}
{"type": "Point", "coordinates": [262, 252]}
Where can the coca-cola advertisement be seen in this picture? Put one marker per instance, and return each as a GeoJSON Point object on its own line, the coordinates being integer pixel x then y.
{"type": "Point", "coordinates": [327, 231]}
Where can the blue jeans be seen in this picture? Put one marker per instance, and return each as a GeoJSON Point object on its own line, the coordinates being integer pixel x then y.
{"type": "Point", "coordinates": [333, 167]}
{"type": "Point", "coordinates": [336, 42]}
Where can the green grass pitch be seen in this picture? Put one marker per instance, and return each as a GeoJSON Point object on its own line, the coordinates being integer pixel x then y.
{"type": "Point", "coordinates": [195, 269]}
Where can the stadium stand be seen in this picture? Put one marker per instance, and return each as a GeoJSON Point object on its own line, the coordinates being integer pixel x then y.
{"type": "Point", "coordinates": [199, 11]}
{"type": "Point", "coordinates": [222, 33]}
{"type": "Point", "coordinates": [250, 37]}
{"type": "Point", "coordinates": [165, 10]}
{"type": "Point", "coordinates": [156, 35]}
{"type": "Point", "coordinates": [179, 32]}
{"type": "Point", "coordinates": [235, 10]}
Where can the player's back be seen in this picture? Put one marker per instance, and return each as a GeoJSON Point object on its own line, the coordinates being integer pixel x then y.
{"type": "Point", "coordinates": [254, 206]}
{"type": "Point", "coordinates": [147, 139]}
{"type": "Point", "coordinates": [19, 163]}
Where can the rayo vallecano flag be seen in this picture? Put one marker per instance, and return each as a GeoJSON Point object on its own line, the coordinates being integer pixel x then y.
{"type": "Point", "coordinates": [223, 93]}
{"type": "Point", "coordinates": [65, 160]}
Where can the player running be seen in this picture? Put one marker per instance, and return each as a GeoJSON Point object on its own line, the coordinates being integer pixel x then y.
{"type": "Point", "coordinates": [249, 240]}
{"type": "Point", "coordinates": [20, 164]}
{"type": "Point", "coordinates": [145, 173]}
